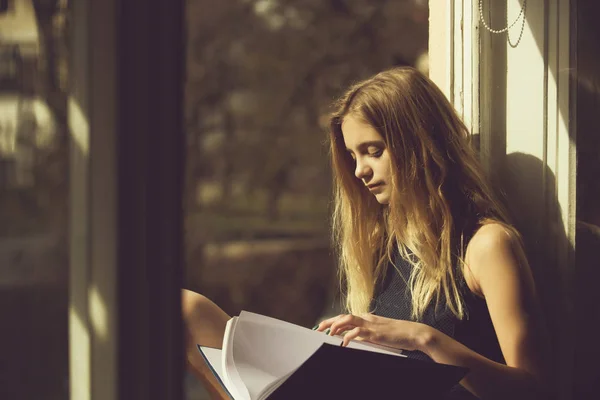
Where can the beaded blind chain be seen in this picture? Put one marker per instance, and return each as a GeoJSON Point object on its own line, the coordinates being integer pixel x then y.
{"type": "Point", "coordinates": [505, 29]}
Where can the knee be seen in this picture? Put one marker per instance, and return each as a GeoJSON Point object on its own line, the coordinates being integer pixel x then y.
{"type": "Point", "coordinates": [204, 321]}
{"type": "Point", "coordinates": [198, 307]}
{"type": "Point", "coordinates": [192, 302]}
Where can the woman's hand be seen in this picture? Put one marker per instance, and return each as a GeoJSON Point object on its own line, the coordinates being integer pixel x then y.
{"type": "Point", "coordinates": [405, 335]}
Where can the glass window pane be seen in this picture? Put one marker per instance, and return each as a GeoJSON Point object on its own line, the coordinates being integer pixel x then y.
{"type": "Point", "coordinates": [33, 200]}
{"type": "Point", "coordinates": [260, 79]}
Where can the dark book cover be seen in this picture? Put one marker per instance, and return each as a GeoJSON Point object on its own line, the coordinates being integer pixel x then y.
{"type": "Point", "coordinates": [335, 372]}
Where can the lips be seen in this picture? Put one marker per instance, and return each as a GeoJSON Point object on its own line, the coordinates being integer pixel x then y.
{"type": "Point", "coordinates": [374, 185]}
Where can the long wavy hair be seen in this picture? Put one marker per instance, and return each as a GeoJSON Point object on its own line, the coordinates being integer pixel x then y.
{"type": "Point", "coordinates": [439, 192]}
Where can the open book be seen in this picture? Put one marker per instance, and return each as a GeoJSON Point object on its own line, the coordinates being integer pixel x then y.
{"type": "Point", "coordinates": [264, 357]}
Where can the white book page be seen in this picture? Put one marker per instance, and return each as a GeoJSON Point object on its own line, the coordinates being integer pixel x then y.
{"type": "Point", "coordinates": [376, 348]}
{"type": "Point", "coordinates": [254, 377]}
{"type": "Point", "coordinates": [355, 344]}
{"type": "Point", "coordinates": [265, 352]}
{"type": "Point", "coordinates": [232, 379]}
{"type": "Point", "coordinates": [214, 357]}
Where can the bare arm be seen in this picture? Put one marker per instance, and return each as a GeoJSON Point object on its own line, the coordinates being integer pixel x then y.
{"type": "Point", "coordinates": [498, 271]}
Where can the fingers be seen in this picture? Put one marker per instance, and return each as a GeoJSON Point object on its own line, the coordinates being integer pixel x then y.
{"type": "Point", "coordinates": [371, 328]}
{"type": "Point", "coordinates": [344, 323]}
{"type": "Point", "coordinates": [355, 327]}
{"type": "Point", "coordinates": [355, 333]}
{"type": "Point", "coordinates": [326, 323]}
{"type": "Point", "coordinates": [340, 323]}
{"type": "Point", "coordinates": [345, 317]}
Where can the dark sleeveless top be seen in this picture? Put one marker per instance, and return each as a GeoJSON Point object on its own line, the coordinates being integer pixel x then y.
{"type": "Point", "coordinates": [392, 300]}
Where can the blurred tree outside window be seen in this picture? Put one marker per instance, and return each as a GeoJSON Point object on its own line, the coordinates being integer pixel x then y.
{"type": "Point", "coordinates": [261, 76]}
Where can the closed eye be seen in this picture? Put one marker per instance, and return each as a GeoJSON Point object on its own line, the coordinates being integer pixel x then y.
{"type": "Point", "coordinates": [375, 153]}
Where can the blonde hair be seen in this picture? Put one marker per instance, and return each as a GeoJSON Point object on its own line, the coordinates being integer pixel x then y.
{"type": "Point", "coordinates": [438, 187]}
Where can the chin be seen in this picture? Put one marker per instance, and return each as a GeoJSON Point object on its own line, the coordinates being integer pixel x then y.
{"type": "Point", "coordinates": [384, 200]}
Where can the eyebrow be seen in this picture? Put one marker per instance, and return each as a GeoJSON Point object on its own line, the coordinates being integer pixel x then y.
{"type": "Point", "coordinates": [364, 145]}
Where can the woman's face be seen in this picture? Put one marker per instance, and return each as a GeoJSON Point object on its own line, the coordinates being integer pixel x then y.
{"type": "Point", "coordinates": [372, 159]}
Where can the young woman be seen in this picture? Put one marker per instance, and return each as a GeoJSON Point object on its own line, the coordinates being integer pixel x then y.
{"type": "Point", "coordinates": [429, 261]}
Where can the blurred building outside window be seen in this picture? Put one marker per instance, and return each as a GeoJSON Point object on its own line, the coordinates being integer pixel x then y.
{"type": "Point", "coordinates": [33, 200]}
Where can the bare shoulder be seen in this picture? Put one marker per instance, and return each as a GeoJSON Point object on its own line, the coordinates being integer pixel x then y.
{"type": "Point", "coordinates": [491, 237]}
{"type": "Point", "coordinates": [494, 250]}
{"type": "Point", "coordinates": [500, 273]}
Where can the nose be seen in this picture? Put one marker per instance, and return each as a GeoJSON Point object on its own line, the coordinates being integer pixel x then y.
{"type": "Point", "coordinates": [362, 170]}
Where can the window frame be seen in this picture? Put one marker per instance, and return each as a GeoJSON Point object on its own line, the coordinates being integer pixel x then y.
{"type": "Point", "coordinates": [126, 186]}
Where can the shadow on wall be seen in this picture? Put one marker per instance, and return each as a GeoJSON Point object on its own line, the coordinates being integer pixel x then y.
{"type": "Point", "coordinates": [525, 182]}
{"type": "Point", "coordinates": [578, 295]}
{"type": "Point", "coordinates": [587, 271]}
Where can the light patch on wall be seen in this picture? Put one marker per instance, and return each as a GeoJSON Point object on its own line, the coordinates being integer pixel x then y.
{"type": "Point", "coordinates": [79, 339]}
{"type": "Point", "coordinates": [98, 315]}
{"type": "Point", "coordinates": [79, 126]}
